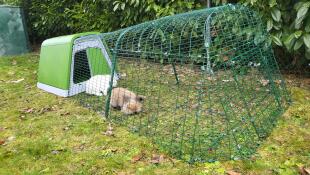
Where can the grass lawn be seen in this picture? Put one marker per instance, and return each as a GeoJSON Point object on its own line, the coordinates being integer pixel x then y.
{"type": "Point", "coordinates": [41, 133]}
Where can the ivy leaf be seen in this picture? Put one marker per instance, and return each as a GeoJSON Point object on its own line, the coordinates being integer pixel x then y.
{"type": "Point", "coordinates": [272, 3]}
{"type": "Point", "coordinates": [253, 2]}
{"type": "Point", "coordinates": [302, 12]}
{"type": "Point", "coordinates": [289, 41]}
{"type": "Point", "coordinates": [115, 7]}
{"type": "Point", "coordinates": [269, 25]}
{"type": "Point", "coordinates": [123, 6]}
{"type": "Point", "coordinates": [298, 22]}
{"type": "Point", "coordinates": [276, 14]}
{"type": "Point", "coordinates": [306, 38]}
{"type": "Point", "coordinates": [297, 34]}
{"type": "Point", "coordinates": [298, 44]}
{"type": "Point", "coordinates": [277, 40]}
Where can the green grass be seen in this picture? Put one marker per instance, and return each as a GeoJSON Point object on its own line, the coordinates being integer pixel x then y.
{"type": "Point", "coordinates": [194, 133]}
{"type": "Point", "coordinates": [46, 134]}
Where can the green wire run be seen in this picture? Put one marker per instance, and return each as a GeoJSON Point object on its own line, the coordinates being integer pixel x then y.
{"type": "Point", "coordinates": [213, 88]}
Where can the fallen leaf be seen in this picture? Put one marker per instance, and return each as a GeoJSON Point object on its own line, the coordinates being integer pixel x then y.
{"type": "Point", "coordinates": [303, 171]}
{"type": "Point", "coordinates": [29, 110]}
{"type": "Point", "coordinates": [55, 152]}
{"type": "Point", "coordinates": [227, 81]}
{"type": "Point", "coordinates": [194, 106]}
{"type": "Point", "coordinates": [156, 159]}
{"type": "Point", "coordinates": [307, 170]}
{"type": "Point", "coordinates": [45, 109]}
{"type": "Point", "coordinates": [211, 78]}
{"type": "Point", "coordinates": [231, 172]}
{"type": "Point", "coordinates": [18, 81]}
{"type": "Point", "coordinates": [213, 33]}
{"type": "Point", "coordinates": [14, 62]}
{"type": "Point", "coordinates": [82, 146]}
{"type": "Point", "coordinates": [113, 150]}
{"type": "Point", "coordinates": [66, 113]}
{"type": "Point", "coordinates": [27, 87]}
{"type": "Point", "coordinates": [264, 82]}
{"type": "Point", "coordinates": [109, 131]}
{"type": "Point", "coordinates": [11, 73]}
{"type": "Point", "coordinates": [2, 129]}
{"type": "Point", "coordinates": [225, 58]}
{"type": "Point", "coordinates": [66, 128]}
{"type": "Point", "coordinates": [45, 170]}
{"type": "Point", "coordinates": [278, 82]}
{"type": "Point", "coordinates": [2, 142]}
{"type": "Point", "coordinates": [137, 158]}
{"type": "Point", "coordinates": [11, 138]}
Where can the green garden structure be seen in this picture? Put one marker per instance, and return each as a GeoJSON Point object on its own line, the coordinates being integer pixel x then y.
{"type": "Point", "coordinates": [13, 33]}
{"type": "Point", "coordinates": [66, 63]}
{"type": "Point", "coordinates": [212, 87]}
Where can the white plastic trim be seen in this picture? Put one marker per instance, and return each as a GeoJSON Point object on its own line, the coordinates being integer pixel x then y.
{"type": "Point", "coordinates": [53, 90]}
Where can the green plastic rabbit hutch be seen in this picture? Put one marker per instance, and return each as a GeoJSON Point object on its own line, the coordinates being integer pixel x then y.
{"type": "Point", "coordinates": [66, 63]}
{"type": "Point", "coordinates": [213, 90]}
{"type": "Point", "coordinates": [13, 33]}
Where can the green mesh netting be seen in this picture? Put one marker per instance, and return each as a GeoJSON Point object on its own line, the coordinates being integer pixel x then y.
{"type": "Point", "coordinates": [213, 89]}
{"type": "Point", "coordinates": [13, 34]}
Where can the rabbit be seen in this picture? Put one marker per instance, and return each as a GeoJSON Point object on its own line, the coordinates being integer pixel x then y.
{"type": "Point", "coordinates": [131, 107]}
{"type": "Point", "coordinates": [99, 85]}
{"type": "Point", "coordinates": [127, 101]}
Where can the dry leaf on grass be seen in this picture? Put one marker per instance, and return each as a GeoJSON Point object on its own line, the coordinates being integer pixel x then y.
{"type": "Point", "coordinates": [156, 159]}
{"type": "Point", "coordinates": [225, 58]}
{"type": "Point", "coordinates": [14, 62]}
{"type": "Point", "coordinates": [28, 110]}
{"type": "Point", "coordinates": [55, 152]}
{"type": "Point", "coordinates": [231, 172]}
{"type": "Point", "coordinates": [194, 106]}
{"type": "Point", "coordinates": [264, 82]}
{"type": "Point", "coordinates": [11, 138]}
{"type": "Point", "coordinates": [65, 113]}
{"type": "Point", "coordinates": [303, 171]}
{"type": "Point", "coordinates": [227, 80]}
{"type": "Point", "coordinates": [137, 158]}
{"type": "Point", "coordinates": [278, 81]}
{"type": "Point", "coordinates": [2, 142]}
{"type": "Point", "coordinates": [109, 131]}
{"type": "Point", "coordinates": [18, 81]}
{"type": "Point", "coordinates": [45, 109]}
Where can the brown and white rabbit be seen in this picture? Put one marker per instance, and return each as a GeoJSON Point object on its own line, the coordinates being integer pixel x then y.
{"type": "Point", "coordinates": [127, 101]}
{"type": "Point", "coordinates": [131, 107]}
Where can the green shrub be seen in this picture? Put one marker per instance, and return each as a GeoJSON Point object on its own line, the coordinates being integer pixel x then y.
{"type": "Point", "coordinates": [48, 18]}
{"type": "Point", "coordinates": [289, 25]}
{"type": "Point", "coordinates": [287, 21]}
